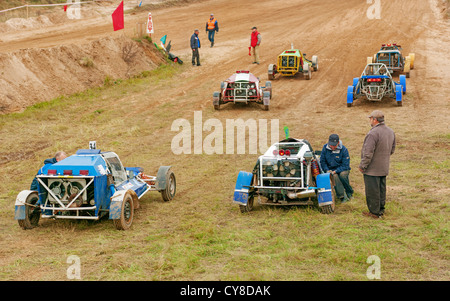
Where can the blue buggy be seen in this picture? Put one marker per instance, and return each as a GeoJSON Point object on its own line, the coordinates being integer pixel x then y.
{"type": "Point", "coordinates": [375, 83]}
{"type": "Point", "coordinates": [89, 185]}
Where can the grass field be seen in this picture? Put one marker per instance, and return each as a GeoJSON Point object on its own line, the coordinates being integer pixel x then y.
{"type": "Point", "coordinates": [201, 235]}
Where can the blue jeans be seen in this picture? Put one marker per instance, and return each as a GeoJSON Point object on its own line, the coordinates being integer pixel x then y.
{"type": "Point", "coordinates": [211, 35]}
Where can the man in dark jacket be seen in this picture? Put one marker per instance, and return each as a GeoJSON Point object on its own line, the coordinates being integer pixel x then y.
{"type": "Point", "coordinates": [379, 145]}
{"type": "Point", "coordinates": [211, 27]}
{"type": "Point", "coordinates": [335, 159]}
{"type": "Point", "coordinates": [47, 163]}
{"type": "Point", "coordinates": [195, 45]}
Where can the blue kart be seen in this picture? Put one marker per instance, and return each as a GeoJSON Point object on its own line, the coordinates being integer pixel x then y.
{"type": "Point", "coordinates": [375, 83]}
{"type": "Point", "coordinates": [287, 174]}
{"type": "Point", "coordinates": [89, 185]}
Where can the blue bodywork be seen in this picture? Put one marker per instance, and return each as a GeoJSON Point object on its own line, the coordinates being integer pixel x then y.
{"type": "Point", "coordinates": [88, 165]}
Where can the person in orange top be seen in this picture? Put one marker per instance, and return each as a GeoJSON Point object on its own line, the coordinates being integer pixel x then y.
{"type": "Point", "coordinates": [211, 27]}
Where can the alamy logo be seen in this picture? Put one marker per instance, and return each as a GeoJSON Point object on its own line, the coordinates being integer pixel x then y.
{"type": "Point", "coordinates": [374, 11]}
{"type": "Point", "coordinates": [374, 271]}
{"type": "Point", "coordinates": [74, 270]}
{"type": "Point", "coordinates": [190, 137]}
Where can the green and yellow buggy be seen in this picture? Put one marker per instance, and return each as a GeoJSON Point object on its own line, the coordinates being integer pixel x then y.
{"type": "Point", "coordinates": [293, 61]}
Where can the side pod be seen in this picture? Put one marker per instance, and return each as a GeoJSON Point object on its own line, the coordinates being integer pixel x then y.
{"type": "Point", "coordinates": [243, 182]}
{"type": "Point", "coordinates": [324, 193]}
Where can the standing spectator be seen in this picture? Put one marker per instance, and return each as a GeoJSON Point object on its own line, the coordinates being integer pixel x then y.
{"type": "Point", "coordinates": [211, 27]}
{"type": "Point", "coordinates": [335, 159]}
{"type": "Point", "coordinates": [255, 41]}
{"type": "Point", "coordinates": [378, 146]}
{"type": "Point", "coordinates": [195, 45]}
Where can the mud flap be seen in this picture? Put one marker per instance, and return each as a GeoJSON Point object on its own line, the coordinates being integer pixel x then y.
{"type": "Point", "coordinates": [243, 182]}
{"type": "Point", "coordinates": [398, 93]}
{"type": "Point", "coordinates": [161, 177]}
{"type": "Point", "coordinates": [19, 211]}
{"type": "Point", "coordinates": [324, 193]}
{"type": "Point", "coordinates": [350, 94]}
{"type": "Point", "coordinates": [403, 82]}
{"type": "Point", "coordinates": [115, 207]}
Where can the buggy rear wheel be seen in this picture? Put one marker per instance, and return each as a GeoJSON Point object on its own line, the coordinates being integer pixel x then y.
{"type": "Point", "coordinates": [248, 207]}
{"type": "Point", "coordinates": [32, 212]}
{"type": "Point", "coordinates": [271, 72]}
{"type": "Point", "coordinates": [126, 214]}
{"type": "Point", "coordinates": [315, 62]}
{"type": "Point", "coordinates": [169, 192]}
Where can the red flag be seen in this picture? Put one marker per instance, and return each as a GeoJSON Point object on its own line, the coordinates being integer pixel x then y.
{"type": "Point", "coordinates": [117, 17]}
{"type": "Point", "coordinates": [65, 7]}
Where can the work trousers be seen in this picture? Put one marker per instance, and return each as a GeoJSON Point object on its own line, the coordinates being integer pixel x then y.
{"type": "Point", "coordinates": [211, 34]}
{"type": "Point", "coordinates": [375, 193]}
{"type": "Point", "coordinates": [342, 184]}
{"type": "Point", "coordinates": [255, 51]}
{"type": "Point", "coordinates": [195, 56]}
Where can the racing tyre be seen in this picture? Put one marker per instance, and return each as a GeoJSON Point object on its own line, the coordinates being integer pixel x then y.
{"type": "Point", "coordinates": [126, 214]}
{"type": "Point", "coordinates": [307, 73]}
{"type": "Point", "coordinates": [32, 212]}
{"type": "Point", "coordinates": [271, 72]}
{"type": "Point", "coordinates": [171, 187]}
{"type": "Point", "coordinates": [315, 62]}
{"type": "Point", "coordinates": [412, 57]}
{"type": "Point", "coordinates": [269, 88]}
{"type": "Point", "coordinates": [248, 207]}
{"type": "Point", "coordinates": [216, 99]}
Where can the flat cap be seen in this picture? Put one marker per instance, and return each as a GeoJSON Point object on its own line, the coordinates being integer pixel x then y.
{"type": "Point", "coordinates": [377, 114]}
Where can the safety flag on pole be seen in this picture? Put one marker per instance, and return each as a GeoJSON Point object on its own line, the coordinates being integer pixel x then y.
{"type": "Point", "coordinates": [117, 17]}
{"type": "Point", "coordinates": [163, 41]}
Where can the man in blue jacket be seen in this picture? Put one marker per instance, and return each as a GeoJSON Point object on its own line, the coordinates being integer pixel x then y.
{"type": "Point", "coordinates": [47, 163]}
{"type": "Point", "coordinates": [195, 45]}
{"type": "Point", "coordinates": [335, 159]}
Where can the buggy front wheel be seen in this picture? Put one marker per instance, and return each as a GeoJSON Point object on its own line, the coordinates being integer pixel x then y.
{"type": "Point", "coordinates": [126, 214]}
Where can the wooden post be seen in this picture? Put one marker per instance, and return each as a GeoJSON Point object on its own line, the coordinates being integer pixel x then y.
{"type": "Point", "coordinates": [26, 3]}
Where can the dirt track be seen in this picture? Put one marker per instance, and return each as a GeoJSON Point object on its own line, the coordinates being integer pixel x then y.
{"type": "Point", "coordinates": [339, 32]}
